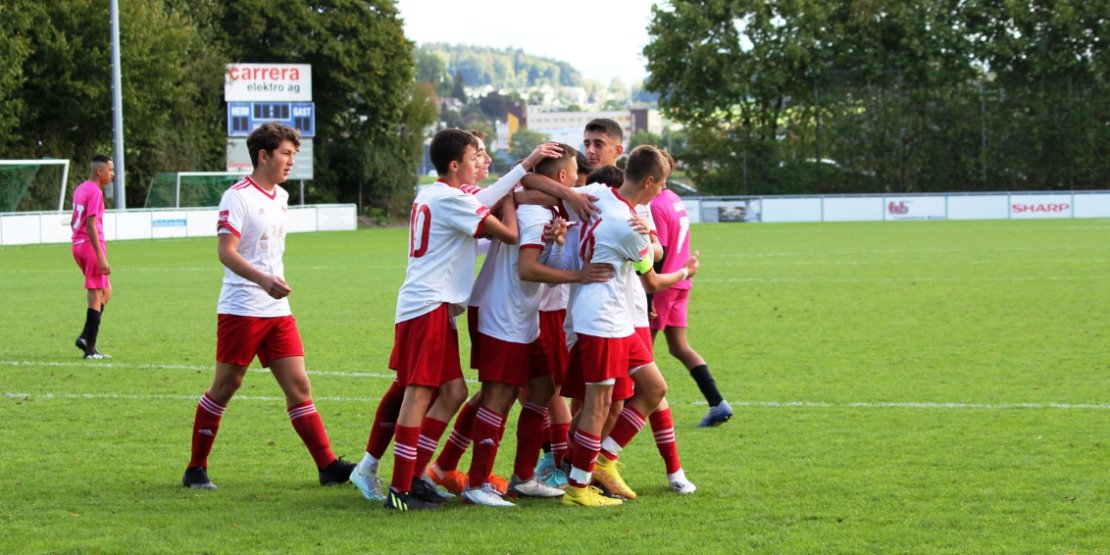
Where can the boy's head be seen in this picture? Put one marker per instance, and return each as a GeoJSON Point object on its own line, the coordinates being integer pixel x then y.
{"type": "Point", "coordinates": [563, 169]}
{"type": "Point", "coordinates": [647, 171]}
{"type": "Point", "coordinates": [268, 139]}
{"type": "Point", "coordinates": [609, 175]}
{"type": "Point", "coordinates": [101, 169]}
{"type": "Point", "coordinates": [583, 168]}
{"type": "Point", "coordinates": [484, 159]}
{"type": "Point", "coordinates": [603, 141]}
{"type": "Point", "coordinates": [454, 151]}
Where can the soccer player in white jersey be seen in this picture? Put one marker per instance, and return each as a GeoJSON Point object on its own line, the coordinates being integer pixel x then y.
{"type": "Point", "coordinates": [365, 476]}
{"type": "Point", "coordinates": [254, 315]}
{"type": "Point", "coordinates": [606, 346]}
{"type": "Point", "coordinates": [443, 229]}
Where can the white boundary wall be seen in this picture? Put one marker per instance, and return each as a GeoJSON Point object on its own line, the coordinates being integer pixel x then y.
{"type": "Point", "coordinates": [939, 206]}
{"type": "Point", "coordinates": [24, 228]}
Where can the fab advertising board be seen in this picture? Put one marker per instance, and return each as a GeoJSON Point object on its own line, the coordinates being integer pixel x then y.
{"type": "Point", "coordinates": [915, 208]}
{"type": "Point", "coordinates": [268, 83]}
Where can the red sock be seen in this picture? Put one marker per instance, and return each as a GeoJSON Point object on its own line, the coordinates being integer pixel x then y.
{"type": "Point", "coordinates": [559, 441]}
{"type": "Point", "coordinates": [404, 456]}
{"type": "Point", "coordinates": [487, 436]}
{"type": "Point", "coordinates": [430, 432]}
{"type": "Point", "coordinates": [629, 423]}
{"type": "Point", "coordinates": [529, 439]}
{"type": "Point", "coordinates": [663, 427]}
{"type": "Point", "coordinates": [206, 423]}
{"type": "Point", "coordinates": [310, 427]}
{"type": "Point", "coordinates": [384, 420]}
{"type": "Point", "coordinates": [459, 440]}
{"type": "Point", "coordinates": [585, 454]}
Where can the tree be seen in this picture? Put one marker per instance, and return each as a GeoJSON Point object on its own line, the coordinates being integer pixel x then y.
{"type": "Point", "coordinates": [494, 105]}
{"type": "Point", "coordinates": [458, 87]}
{"type": "Point", "coordinates": [644, 137]}
{"type": "Point", "coordinates": [524, 140]}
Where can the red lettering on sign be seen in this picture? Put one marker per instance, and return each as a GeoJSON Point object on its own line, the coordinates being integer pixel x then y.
{"type": "Point", "coordinates": [1051, 208]}
{"type": "Point", "coordinates": [267, 73]}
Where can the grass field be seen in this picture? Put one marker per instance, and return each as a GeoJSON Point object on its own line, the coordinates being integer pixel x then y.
{"type": "Point", "coordinates": [909, 387]}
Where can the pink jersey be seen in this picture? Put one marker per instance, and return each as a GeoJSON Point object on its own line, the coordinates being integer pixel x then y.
{"type": "Point", "coordinates": [673, 226]}
{"type": "Point", "coordinates": [88, 200]}
{"type": "Point", "coordinates": [443, 248]}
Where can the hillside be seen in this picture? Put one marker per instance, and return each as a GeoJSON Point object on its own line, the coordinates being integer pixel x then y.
{"type": "Point", "coordinates": [501, 68]}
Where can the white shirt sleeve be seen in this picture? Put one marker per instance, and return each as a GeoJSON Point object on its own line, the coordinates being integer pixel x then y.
{"type": "Point", "coordinates": [490, 195]}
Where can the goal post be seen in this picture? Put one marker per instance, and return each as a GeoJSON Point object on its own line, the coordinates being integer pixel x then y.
{"type": "Point", "coordinates": [17, 177]}
{"type": "Point", "coordinates": [189, 189]}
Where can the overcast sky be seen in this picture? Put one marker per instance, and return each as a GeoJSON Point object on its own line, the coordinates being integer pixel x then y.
{"type": "Point", "coordinates": [567, 30]}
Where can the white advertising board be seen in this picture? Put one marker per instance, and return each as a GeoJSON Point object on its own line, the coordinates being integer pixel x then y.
{"type": "Point", "coordinates": [791, 209]}
{"type": "Point", "coordinates": [853, 209]}
{"type": "Point", "coordinates": [268, 82]}
{"type": "Point", "coordinates": [1094, 205]}
{"type": "Point", "coordinates": [169, 224]}
{"type": "Point", "coordinates": [978, 207]}
{"type": "Point", "coordinates": [239, 159]}
{"type": "Point", "coordinates": [915, 208]}
{"type": "Point", "coordinates": [1040, 206]}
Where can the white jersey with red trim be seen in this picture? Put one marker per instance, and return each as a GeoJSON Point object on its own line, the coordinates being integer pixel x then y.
{"type": "Point", "coordinates": [636, 293]}
{"type": "Point", "coordinates": [443, 228]}
{"type": "Point", "coordinates": [510, 306]}
{"type": "Point", "coordinates": [258, 218]}
{"type": "Point", "coordinates": [603, 309]}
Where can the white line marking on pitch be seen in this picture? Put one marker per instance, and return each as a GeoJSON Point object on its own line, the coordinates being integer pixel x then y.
{"type": "Point", "coordinates": [750, 404]}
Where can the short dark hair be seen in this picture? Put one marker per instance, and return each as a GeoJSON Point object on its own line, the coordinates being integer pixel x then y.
{"type": "Point", "coordinates": [100, 159]}
{"type": "Point", "coordinates": [269, 137]}
{"type": "Point", "coordinates": [583, 163]}
{"type": "Point", "coordinates": [449, 145]}
{"type": "Point", "coordinates": [479, 134]}
{"type": "Point", "coordinates": [645, 161]}
{"type": "Point", "coordinates": [609, 175]}
{"type": "Point", "coordinates": [550, 166]}
{"type": "Point", "coordinates": [607, 126]}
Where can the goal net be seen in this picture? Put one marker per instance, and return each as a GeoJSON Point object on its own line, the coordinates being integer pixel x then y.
{"type": "Point", "coordinates": [33, 185]}
{"type": "Point", "coordinates": [189, 189]}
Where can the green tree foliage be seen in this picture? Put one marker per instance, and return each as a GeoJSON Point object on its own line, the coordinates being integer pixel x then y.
{"type": "Point", "coordinates": [55, 92]}
{"type": "Point", "coordinates": [524, 140]}
{"type": "Point", "coordinates": [503, 68]}
{"type": "Point", "coordinates": [847, 96]}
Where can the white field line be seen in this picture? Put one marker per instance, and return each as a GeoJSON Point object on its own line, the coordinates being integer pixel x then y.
{"type": "Point", "coordinates": [195, 368]}
{"type": "Point", "coordinates": [748, 404]}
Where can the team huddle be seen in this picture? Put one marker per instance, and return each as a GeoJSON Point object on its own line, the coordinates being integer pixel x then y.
{"type": "Point", "coordinates": [584, 264]}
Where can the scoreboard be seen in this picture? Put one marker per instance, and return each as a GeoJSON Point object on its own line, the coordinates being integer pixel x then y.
{"type": "Point", "coordinates": [244, 117]}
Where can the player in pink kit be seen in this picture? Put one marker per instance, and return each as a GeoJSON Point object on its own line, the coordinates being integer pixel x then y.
{"type": "Point", "coordinates": [254, 315]}
{"type": "Point", "coordinates": [89, 250]}
{"type": "Point", "coordinates": [673, 227]}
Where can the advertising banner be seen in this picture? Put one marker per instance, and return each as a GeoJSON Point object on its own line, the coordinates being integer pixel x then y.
{"type": "Point", "coordinates": [268, 82]}
{"type": "Point", "coordinates": [915, 208]}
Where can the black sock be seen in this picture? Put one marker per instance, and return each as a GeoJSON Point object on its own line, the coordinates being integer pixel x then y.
{"type": "Point", "coordinates": [547, 447]}
{"type": "Point", "coordinates": [92, 329]}
{"type": "Point", "coordinates": [706, 384]}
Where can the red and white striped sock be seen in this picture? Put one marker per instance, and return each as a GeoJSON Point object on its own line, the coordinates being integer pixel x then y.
{"type": "Point", "coordinates": [206, 423]}
{"type": "Point", "coordinates": [385, 418]}
{"type": "Point", "coordinates": [310, 427]}
{"type": "Point", "coordinates": [458, 441]}
{"type": "Point", "coordinates": [585, 455]}
{"type": "Point", "coordinates": [487, 437]}
{"type": "Point", "coordinates": [629, 423]}
{"type": "Point", "coordinates": [404, 456]}
{"type": "Point", "coordinates": [662, 425]}
{"type": "Point", "coordinates": [558, 440]}
{"type": "Point", "coordinates": [430, 432]}
{"type": "Point", "coordinates": [529, 439]}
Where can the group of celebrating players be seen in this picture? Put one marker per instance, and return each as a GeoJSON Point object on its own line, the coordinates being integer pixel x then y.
{"type": "Point", "coordinates": [560, 309]}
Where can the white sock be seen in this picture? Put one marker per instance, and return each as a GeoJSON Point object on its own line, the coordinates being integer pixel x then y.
{"type": "Point", "coordinates": [680, 475]}
{"type": "Point", "coordinates": [368, 465]}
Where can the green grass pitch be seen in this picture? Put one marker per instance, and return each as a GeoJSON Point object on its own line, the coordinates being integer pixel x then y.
{"type": "Point", "coordinates": [903, 387]}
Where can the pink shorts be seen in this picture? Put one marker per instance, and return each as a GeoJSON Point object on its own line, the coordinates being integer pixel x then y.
{"type": "Point", "coordinates": [240, 338]}
{"type": "Point", "coordinates": [670, 308]}
{"type": "Point", "coordinates": [426, 350]}
{"type": "Point", "coordinates": [598, 359]}
{"type": "Point", "coordinates": [85, 256]}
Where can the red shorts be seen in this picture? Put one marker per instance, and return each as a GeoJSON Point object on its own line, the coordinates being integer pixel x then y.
{"type": "Point", "coordinates": [645, 337]}
{"type": "Point", "coordinates": [504, 361]}
{"type": "Point", "coordinates": [85, 256]}
{"type": "Point", "coordinates": [670, 308]}
{"type": "Point", "coordinates": [240, 338]}
{"type": "Point", "coordinates": [598, 359]}
{"type": "Point", "coordinates": [426, 350]}
{"type": "Point", "coordinates": [553, 341]}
